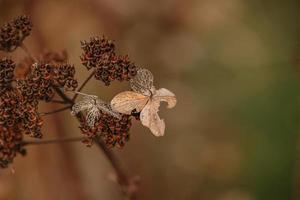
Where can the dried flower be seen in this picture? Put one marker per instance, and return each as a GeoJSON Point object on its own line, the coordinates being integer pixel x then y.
{"type": "Point", "coordinates": [113, 131]}
{"type": "Point", "coordinates": [94, 108]}
{"type": "Point", "coordinates": [7, 67]}
{"type": "Point", "coordinates": [95, 50]}
{"type": "Point", "coordinates": [15, 111]}
{"type": "Point", "coordinates": [14, 32]}
{"type": "Point", "coordinates": [10, 144]}
{"type": "Point", "coordinates": [44, 77]}
{"type": "Point", "coordinates": [99, 54]}
{"type": "Point", "coordinates": [145, 99]}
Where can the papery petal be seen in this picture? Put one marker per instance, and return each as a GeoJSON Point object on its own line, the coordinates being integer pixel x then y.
{"type": "Point", "coordinates": [142, 82]}
{"type": "Point", "coordinates": [165, 95]}
{"type": "Point", "coordinates": [149, 118]}
{"type": "Point", "coordinates": [126, 102]}
{"type": "Point", "coordinates": [92, 116]}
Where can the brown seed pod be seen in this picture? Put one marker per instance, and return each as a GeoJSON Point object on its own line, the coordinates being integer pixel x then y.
{"type": "Point", "coordinates": [14, 32]}
{"type": "Point", "coordinates": [10, 144]}
{"type": "Point", "coordinates": [44, 77]}
{"type": "Point", "coordinates": [113, 131]}
{"type": "Point", "coordinates": [99, 55]}
{"type": "Point", "coordinates": [7, 67]}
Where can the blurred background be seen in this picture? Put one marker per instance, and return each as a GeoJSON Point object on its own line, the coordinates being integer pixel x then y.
{"type": "Point", "coordinates": [235, 68]}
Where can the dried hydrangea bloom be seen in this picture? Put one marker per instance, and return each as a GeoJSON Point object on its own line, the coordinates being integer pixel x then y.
{"type": "Point", "coordinates": [144, 99]}
{"type": "Point", "coordinates": [99, 55]}
{"type": "Point", "coordinates": [42, 79]}
{"type": "Point", "coordinates": [7, 68]}
{"type": "Point", "coordinates": [16, 111]}
{"type": "Point", "coordinates": [94, 108]}
{"type": "Point", "coordinates": [14, 32]}
{"type": "Point", "coordinates": [10, 144]}
{"type": "Point", "coordinates": [113, 131]}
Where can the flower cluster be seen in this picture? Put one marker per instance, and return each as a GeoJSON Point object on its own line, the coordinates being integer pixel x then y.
{"type": "Point", "coordinates": [17, 117]}
{"type": "Point", "coordinates": [14, 32]}
{"type": "Point", "coordinates": [99, 54]}
{"type": "Point", "coordinates": [40, 83]}
{"type": "Point", "coordinates": [11, 139]}
{"type": "Point", "coordinates": [7, 68]}
{"type": "Point", "coordinates": [113, 131]}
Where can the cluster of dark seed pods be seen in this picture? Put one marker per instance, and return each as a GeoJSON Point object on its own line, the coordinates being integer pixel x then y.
{"type": "Point", "coordinates": [14, 32]}
{"type": "Point", "coordinates": [99, 54]}
{"type": "Point", "coordinates": [114, 132]}
{"type": "Point", "coordinates": [40, 83]}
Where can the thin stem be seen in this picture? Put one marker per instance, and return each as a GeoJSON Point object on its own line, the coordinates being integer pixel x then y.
{"type": "Point", "coordinates": [63, 96]}
{"type": "Point", "coordinates": [58, 101]}
{"type": "Point", "coordinates": [55, 111]}
{"type": "Point", "coordinates": [25, 49]}
{"type": "Point", "coordinates": [122, 179]}
{"type": "Point", "coordinates": [82, 85]}
{"type": "Point", "coordinates": [53, 141]}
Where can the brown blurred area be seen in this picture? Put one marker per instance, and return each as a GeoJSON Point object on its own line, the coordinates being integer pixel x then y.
{"type": "Point", "coordinates": [231, 63]}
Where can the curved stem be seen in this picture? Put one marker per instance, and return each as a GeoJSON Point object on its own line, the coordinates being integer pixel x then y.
{"type": "Point", "coordinates": [55, 111]}
{"type": "Point", "coordinates": [82, 85]}
{"type": "Point", "coordinates": [58, 101]}
{"type": "Point", "coordinates": [122, 179]}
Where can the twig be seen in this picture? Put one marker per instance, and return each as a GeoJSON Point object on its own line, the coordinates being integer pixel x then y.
{"type": "Point", "coordinates": [122, 179]}
{"type": "Point", "coordinates": [63, 96]}
{"type": "Point", "coordinates": [25, 49]}
{"type": "Point", "coordinates": [53, 141]}
{"type": "Point", "coordinates": [83, 84]}
{"type": "Point", "coordinates": [55, 111]}
{"type": "Point", "coordinates": [58, 101]}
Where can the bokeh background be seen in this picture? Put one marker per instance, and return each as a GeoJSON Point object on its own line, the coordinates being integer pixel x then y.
{"type": "Point", "coordinates": [234, 66]}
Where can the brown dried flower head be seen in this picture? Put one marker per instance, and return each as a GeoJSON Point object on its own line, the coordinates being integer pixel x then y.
{"type": "Point", "coordinates": [99, 54]}
{"type": "Point", "coordinates": [43, 78]}
{"type": "Point", "coordinates": [14, 32]}
{"type": "Point", "coordinates": [10, 144]}
{"type": "Point", "coordinates": [7, 67]}
{"type": "Point", "coordinates": [113, 131]}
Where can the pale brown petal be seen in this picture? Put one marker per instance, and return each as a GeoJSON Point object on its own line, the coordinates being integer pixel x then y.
{"type": "Point", "coordinates": [142, 82]}
{"type": "Point", "coordinates": [165, 95]}
{"type": "Point", "coordinates": [150, 118]}
{"type": "Point", "coordinates": [127, 101]}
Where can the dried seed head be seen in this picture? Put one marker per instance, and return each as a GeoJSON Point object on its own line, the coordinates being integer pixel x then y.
{"type": "Point", "coordinates": [15, 111]}
{"type": "Point", "coordinates": [95, 50]}
{"type": "Point", "coordinates": [113, 131]}
{"type": "Point", "coordinates": [7, 67]}
{"type": "Point", "coordinates": [14, 32]}
{"type": "Point", "coordinates": [99, 53]}
{"type": "Point", "coordinates": [10, 144]}
{"type": "Point", "coordinates": [43, 77]}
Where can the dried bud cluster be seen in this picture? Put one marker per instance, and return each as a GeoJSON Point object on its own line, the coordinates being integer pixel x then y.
{"type": "Point", "coordinates": [14, 32]}
{"type": "Point", "coordinates": [10, 144]}
{"type": "Point", "coordinates": [114, 132]}
{"type": "Point", "coordinates": [7, 67]}
{"type": "Point", "coordinates": [99, 54]}
{"type": "Point", "coordinates": [16, 118]}
{"type": "Point", "coordinates": [43, 78]}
